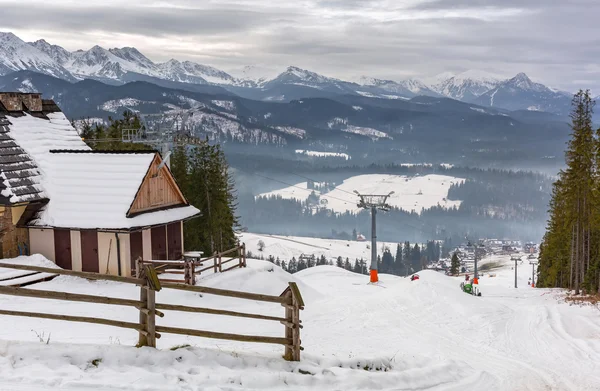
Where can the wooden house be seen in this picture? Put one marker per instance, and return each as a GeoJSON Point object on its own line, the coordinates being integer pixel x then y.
{"type": "Point", "coordinates": [86, 210]}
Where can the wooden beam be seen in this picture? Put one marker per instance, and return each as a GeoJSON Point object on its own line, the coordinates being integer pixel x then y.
{"type": "Point", "coordinates": [225, 336]}
{"type": "Point", "coordinates": [183, 308]}
{"type": "Point", "coordinates": [15, 291]}
{"type": "Point", "coordinates": [229, 260]}
{"type": "Point", "coordinates": [225, 292]}
{"type": "Point", "coordinates": [87, 275]}
{"type": "Point", "coordinates": [83, 319]}
{"type": "Point", "coordinates": [297, 295]}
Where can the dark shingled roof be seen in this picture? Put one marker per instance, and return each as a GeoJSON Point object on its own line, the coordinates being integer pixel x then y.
{"type": "Point", "coordinates": [19, 175]}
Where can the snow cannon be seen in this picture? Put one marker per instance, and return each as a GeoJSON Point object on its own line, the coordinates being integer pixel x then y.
{"type": "Point", "coordinates": [470, 289]}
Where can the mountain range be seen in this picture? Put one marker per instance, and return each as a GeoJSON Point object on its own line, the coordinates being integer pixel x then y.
{"type": "Point", "coordinates": [118, 66]}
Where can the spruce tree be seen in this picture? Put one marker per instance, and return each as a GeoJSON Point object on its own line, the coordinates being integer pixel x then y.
{"type": "Point", "coordinates": [569, 251]}
{"type": "Point", "coordinates": [455, 264]}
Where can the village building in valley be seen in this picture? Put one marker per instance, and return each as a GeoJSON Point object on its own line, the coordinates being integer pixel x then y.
{"type": "Point", "coordinates": [94, 211]}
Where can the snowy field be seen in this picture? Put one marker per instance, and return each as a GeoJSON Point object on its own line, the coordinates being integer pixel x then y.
{"type": "Point", "coordinates": [398, 335]}
{"type": "Point", "coordinates": [286, 247]}
{"type": "Point", "coordinates": [412, 193]}
{"type": "Point", "coordinates": [323, 154]}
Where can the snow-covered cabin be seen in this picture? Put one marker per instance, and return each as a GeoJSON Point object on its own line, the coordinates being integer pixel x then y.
{"type": "Point", "coordinates": [87, 210]}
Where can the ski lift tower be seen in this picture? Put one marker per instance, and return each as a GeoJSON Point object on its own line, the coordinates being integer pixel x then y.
{"type": "Point", "coordinates": [533, 264]}
{"type": "Point", "coordinates": [162, 131]}
{"type": "Point", "coordinates": [515, 258]}
{"type": "Point", "coordinates": [374, 202]}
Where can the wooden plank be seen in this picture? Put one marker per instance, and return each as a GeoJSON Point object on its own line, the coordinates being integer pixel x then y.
{"type": "Point", "coordinates": [168, 263]}
{"type": "Point", "coordinates": [150, 317]}
{"type": "Point", "coordinates": [69, 318]}
{"type": "Point", "coordinates": [170, 281]}
{"type": "Point", "coordinates": [87, 275]}
{"type": "Point", "coordinates": [225, 292]}
{"type": "Point", "coordinates": [226, 336]}
{"type": "Point", "coordinates": [228, 251]}
{"type": "Point", "coordinates": [183, 308]}
{"type": "Point", "coordinates": [15, 291]}
{"type": "Point", "coordinates": [143, 333]}
{"type": "Point", "coordinates": [229, 260]}
{"type": "Point", "coordinates": [297, 295]}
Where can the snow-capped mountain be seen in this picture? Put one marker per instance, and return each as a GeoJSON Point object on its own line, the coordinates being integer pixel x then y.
{"type": "Point", "coordinates": [466, 86]}
{"type": "Point", "coordinates": [405, 88]}
{"type": "Point", "coordinates": [15, 55]}
{"type": "Point", "coordinates": [110, 64]}
{"type": "Point", "coordinates": [191, 72]}
{"type": "Point", "coordinates": [302, 77]}
{"type": "Point", "coordinates": [127, 64]}
{"type": "Point", "coordinates": [521, 93]}
{"type": "Point", "coordinates": [255, 75]}
{"type": "Point", "coordinates": [59, 54]}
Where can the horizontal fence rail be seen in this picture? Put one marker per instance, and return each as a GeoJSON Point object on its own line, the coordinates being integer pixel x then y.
{"type": "Point", "coordinates": [189, 267]}
{"type": "Point", "coordinates": [149, 283]}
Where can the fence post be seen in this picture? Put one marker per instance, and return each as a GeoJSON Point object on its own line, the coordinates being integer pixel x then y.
{"type": "Point", "coordinates": [138, 267]}
{"type": "Point", "coordinates": [220, 265]}
{"type": "Point", "coordinates": [215, 261]}
{"type": "Point", "coordinates": [193, 272]}
{"type": "Point", "coordinates": [142, 334]}
{"type": "Point", "coordinates": [186, 272]}
{"type": "Point", "coordinates": [289, 351]}
{"type": "Point", "coordinates": [244, 253]}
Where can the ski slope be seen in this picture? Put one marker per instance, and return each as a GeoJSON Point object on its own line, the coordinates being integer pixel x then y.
{"type": "Point", "coordinates": [411, 193]}
{"type": "Point", "coordinates": [398, 335]}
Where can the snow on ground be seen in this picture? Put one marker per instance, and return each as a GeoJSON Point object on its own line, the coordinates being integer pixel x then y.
{"type": "Point", "coordinates": [286, 247]}
{"type": "Point", "coordinates": [225, 104]}
{"type": "Point", "coordinates": [411, 193]}
{"type": "Point", "coordinates": [364, 131]}
{"type": "Point", "coordinates": [323, 154]}
{"type": "Point", "coordinates": [396, 335]}
{"type": "Point", "coordinates": [297, 132]}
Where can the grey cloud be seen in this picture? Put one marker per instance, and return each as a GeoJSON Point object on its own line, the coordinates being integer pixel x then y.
{"type": "Point", "coordinates": [556, 42]}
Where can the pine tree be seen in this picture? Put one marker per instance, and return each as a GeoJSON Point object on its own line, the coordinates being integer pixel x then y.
{"type": "Point", "coordinates": [415, 258]}
{"type": "Point", "coordinates": [398, 266]}
{"type": "Point", "coordinates": [348, 265]}
{"type": "Point", "coordinates": [339, 262]}
{"type": "Point", "coordinates": [302, 264]}
{"type": "Point", "coordinates": [455, 264]}
{"type": "Point", "coordinates": [569, 251]}
{"type": "Point", "coordinates": [387, 261]}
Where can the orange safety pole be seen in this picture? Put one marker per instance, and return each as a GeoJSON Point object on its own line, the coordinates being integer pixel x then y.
{"type": "Point", "coordinates": [374, 277]}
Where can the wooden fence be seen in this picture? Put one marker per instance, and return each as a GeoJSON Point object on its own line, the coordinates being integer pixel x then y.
{"type": "Point", "coordinates": [191, 268]}
{"type": "Point", "coordinates": [149, 309]}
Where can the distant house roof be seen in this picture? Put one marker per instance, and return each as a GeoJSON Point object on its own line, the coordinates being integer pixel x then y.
{"type": "Point", "coordinates": [96, 189]}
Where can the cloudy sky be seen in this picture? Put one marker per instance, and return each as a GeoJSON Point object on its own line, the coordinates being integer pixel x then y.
{"type": "Point", "coordinates": [556, 42]}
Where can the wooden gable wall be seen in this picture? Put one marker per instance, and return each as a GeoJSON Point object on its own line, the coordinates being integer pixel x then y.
{"type": "Point", "coordinates": [158, 191]}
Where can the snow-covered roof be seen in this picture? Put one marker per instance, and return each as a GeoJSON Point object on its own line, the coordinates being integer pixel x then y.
{"type": "Point", "coordinates": [19, 175]}
{"type": "Point", "coordinates": [87, 190]}
{"type": "Point", "coordinates": [95, 191]}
